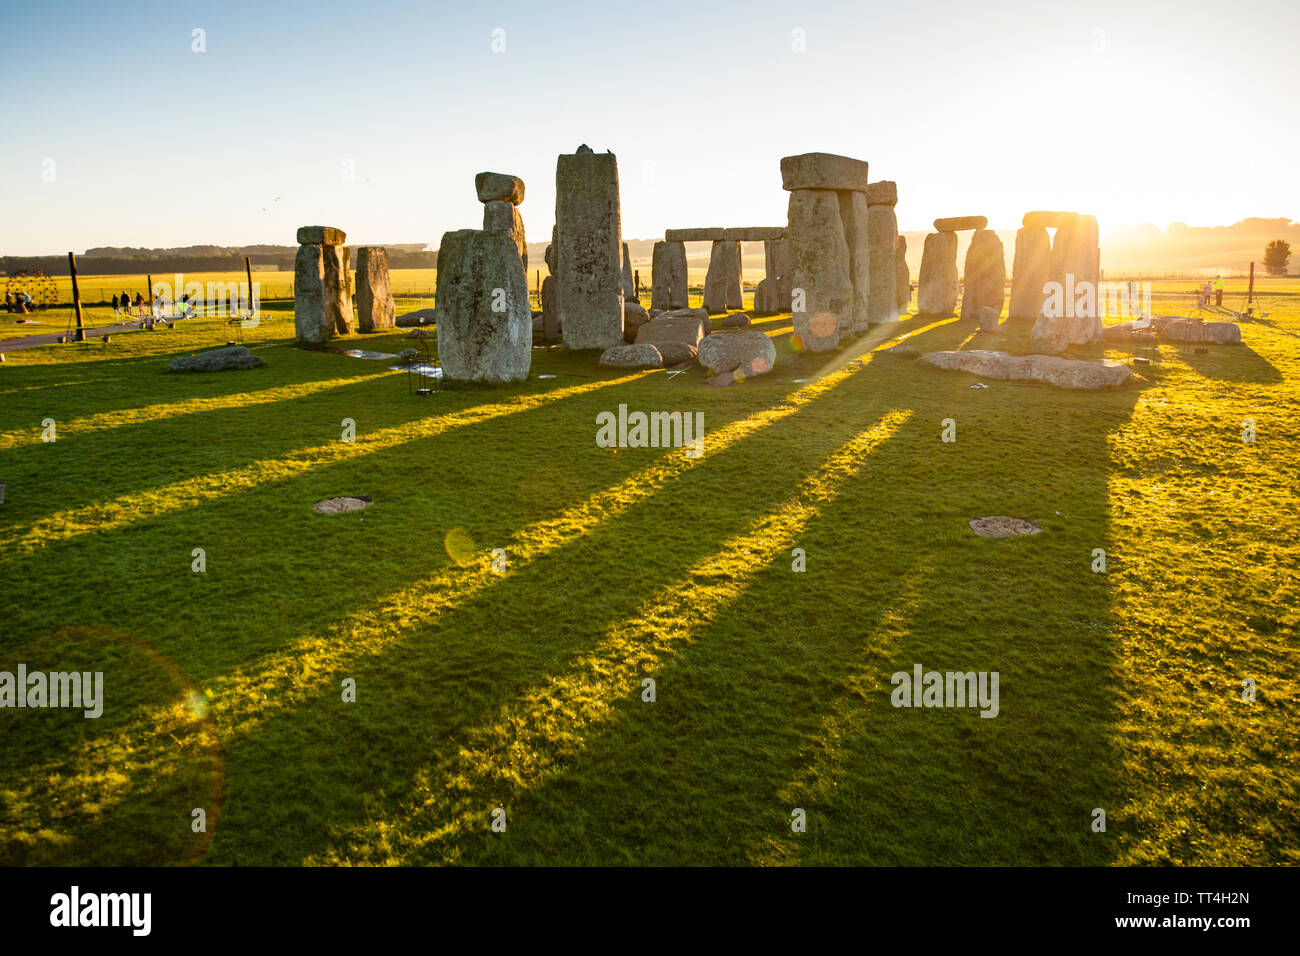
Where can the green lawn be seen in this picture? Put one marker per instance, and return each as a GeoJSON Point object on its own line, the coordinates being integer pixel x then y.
{"type": "Point", "coordinates": [523, 690]}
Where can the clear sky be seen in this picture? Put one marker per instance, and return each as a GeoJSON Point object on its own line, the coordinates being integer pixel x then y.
{"type": "Point", "coordinates": [1135, 110]}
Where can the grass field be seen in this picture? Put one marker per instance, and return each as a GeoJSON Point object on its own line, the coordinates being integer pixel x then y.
{"type": "Point", "coordinates": [523, 690]}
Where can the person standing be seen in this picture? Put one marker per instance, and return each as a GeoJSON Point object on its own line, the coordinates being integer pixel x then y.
{"type": "Point", "coordinates": [1218, 291]}
{"type": "Point", "coordinates": [117, 306]}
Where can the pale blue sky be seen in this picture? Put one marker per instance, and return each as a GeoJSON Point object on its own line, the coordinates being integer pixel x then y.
{"type": "Point", "coordinates": [1137, 111]}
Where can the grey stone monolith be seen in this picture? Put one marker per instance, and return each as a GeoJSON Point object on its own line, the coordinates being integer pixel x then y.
{"type": "Point", "coordinates": [589, 249]}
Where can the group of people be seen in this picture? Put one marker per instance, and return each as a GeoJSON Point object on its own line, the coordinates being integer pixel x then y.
{"type": "Point", "coordinates": [20, 302]}
{"type": "Point", "coordinates": [123, 306]}
{"type": "Point", "coordinates": [1211, 290]}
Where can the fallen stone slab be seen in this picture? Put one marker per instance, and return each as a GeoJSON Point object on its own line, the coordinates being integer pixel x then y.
{"type": "Point", "coordinates": [883, 193]}
{"type": "Point", "coordinates": [321, 235]}
{"type": "Point", "coordinates": [744, 354]}
{"type": "Point", "coordinates": [640, 355]}
{"type": "Point", "coordinates": [1049, 369]}
{"type": "Point", "coordinates": [737, 320]}
{"type": "Point", "coordinates": [677, 353]}
{"type": "Point", "coordinates": [754, 233]}
{"type": "Point", "coordinates": [823, 171]}
{"type": "Point", "coordinates": [958, 223]}
{"type": "Point", "coordinates": [671, 327]}
{"type": "Point", "coordinates": [416, 318]}
{"type": "Point", "coordinates": [1212, 333]}
{"type": "Point", "coordinates": [233, 358]}
{"type": "Point", "coordinates": [694, 235]}
{"type": "Point", "coordinates": [499, 187]}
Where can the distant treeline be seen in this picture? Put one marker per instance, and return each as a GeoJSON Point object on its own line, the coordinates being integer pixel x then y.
{"type": "Point", "coordinates": [163, 263]}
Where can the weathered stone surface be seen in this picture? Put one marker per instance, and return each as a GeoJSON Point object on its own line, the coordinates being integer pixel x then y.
{"type": "Point", "coordinates": [479, 269]}
{"type": "Point", "coordinates": [989, 319]}
{"type": "Point", "coordinates": [668, 288]}
{"type": "Point", "coordinates": [958, 223]}
{"type": "Point", "coordinates": [629, 284]}
{"type": "Point", "coordinates": [936, 286]}
{"type": "Point", "coordinates": [857, 237]}
{"type": "Point", "coordinates": [1213, 333]}
{"type": "Point", "coordinates": [816, 331]}
{"type": "Point", "coordinates": [671, 328]}
{"type": "Point", "coordinates": [726, 378]}
{"type": "Point", "coordinates": [321, 236]}
{"type": "Point", "coordinates": [589, 250]}
{"type": "Point", "coordinates": [632, 356]}
{"type": "Point", "coordinates": [737, 320]}
{"type": "Point", "coordinates": [549, 258]}
{"type": "Point", "coordinates": [882, 233]}
{"type": "Point", "coordinates": [1052, 335]}
{"type": "Point", "coordinates": [504, 217]}
{"type": "Point", "coordinates": [722, 284]}
{"type": "Point", "coordinates": [677, 353]}
{"type": "Point", "coordinates": [883, 193]}
{"type": "Point", "coordinates": [901, 351]}
{"type": "Point", "coordinates": [550, 309]}
{"type": "Point", "coordinates": [634, 316]}
{"type": "Point", "coordinates": [310, 326]}
{"type": "Point", "coordinates": [700, 315]}
{"type": "Point", "coordinates": [819, 256]}
{"type": "Point", "coordinates": [1063, 373]}
{"type": "Point", "coordinates": [1045, 220]}
{"type": "Point", "coordinates": [765, 297]}
{"type": "Point", "coordinates": [499, 187]}
{"type": "Point", "coordinates": [902, 277]}
{"type": "Point", "coordinates": [375, 308]}
{"type": "Point", "coordinates": [741, 353]}
{"type": "Point", "coordinates": [334, 290]}
{"type": "Point", "coordinates": [754, 233]}
{"type": "Point", "coordinates": [823, 171]}
{"type": "Point", "coordinates": [985, 277]}
{"type": "Point", "coordinates": [694, 235]}
{"type": "Point", "coordinates": [237, 357]}
{"type": "Point", "coordinates": [1075, 251]}
{"type": "Point", "coordinates": [1030, 272]}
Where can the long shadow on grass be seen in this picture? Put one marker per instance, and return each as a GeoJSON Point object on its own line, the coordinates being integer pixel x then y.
{"type": "Point", "coordinates": [783, 703]}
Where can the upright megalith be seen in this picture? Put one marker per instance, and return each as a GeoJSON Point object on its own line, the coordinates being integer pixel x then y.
{"type": "Point", "coordinates": [589, 249]}
{"type": "Point", "coordinates": [504, 217]}
{"type": "Point", "coordinates": [1030, 271]}
{"type": "Point", "coordinates": [1070, 313]}
{"type": "Point", "coordinates": [722, 288]}
{"type": "Point", "coordinates": [772, 294]}
{"type": "Point", "coordinates": [902, 277]}
{"type": "Point", "coordinates": [550, 309]}
{"type": "Point", "coordinates": [822, 293]}
{"type": "Point", "coordinates": [936, 286]}
{"type": "Point", "coordinates": [629, 284]}
{"type": "Point", "coordinates": [668, 288]}
{"type": "Point", "coordinates": [375, 308]}
{"type": "Point", "coordinates": [322, 305]}
{"type": "Point", "coordinates": [309, 323]}
{"type": "Point", "coordinates": [882, 237]}
{"type": "Point", "coordinates": [338, 300]}
{"type": "Point", "coordinates": [985, 276]}
{"type": "Point", "coordinates": [856, 217]}
{"type": "Point", "coordinates": [1075, 251]}
{"type": "Point", "coordinates": [485, 329]}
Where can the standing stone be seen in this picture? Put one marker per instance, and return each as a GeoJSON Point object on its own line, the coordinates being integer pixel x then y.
{"type": "Point", "coordinates": [776, 255]}
{"type": "Point", "coordinates": [549, 257]}
{"type": "Point", "coordinates": [485, 328]}
{"type": "Point", "coordinates": [1030, 271]}
{"type": "Point", "coordinates": [629, 285]}
{"type": "Point", "coordinates": [550, 309]}
{"type": "Point", "coordinates": [334, 290]}
{"type": "Point", "coordinates": [504, 217]}
{"type": "Point", "coordinates": [722, 289]}
{"type": "Point", "coordinates": [588, 253]}
{"type": "Point", "coordinates": [819, 263]}
{"type": "Point", "coordinates": [375, 308]}
{"type": "Point", "coordinates": [668, 288]}
{"type": "Point", "coordinates": [882, 233]}
{"type": "Point", "coordinates": [936, 288]}
{"type": "Point", "coordinates": [985, 277]}
{"type": "Point", "coordinates": [902, 277]}
{"type": "Point", "coordinates": [309, 322]}
{"type": "Point", "coordinates": [857, 235]}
